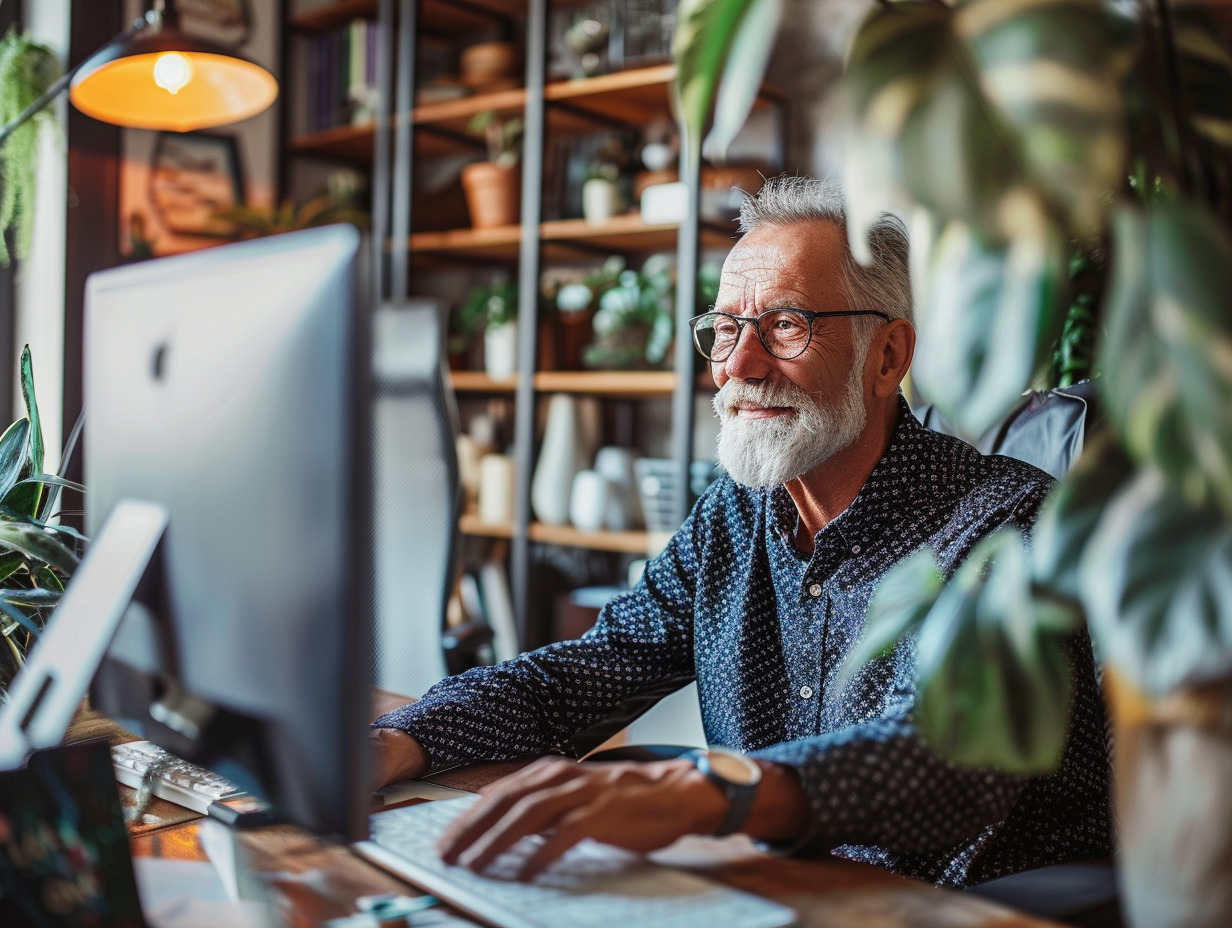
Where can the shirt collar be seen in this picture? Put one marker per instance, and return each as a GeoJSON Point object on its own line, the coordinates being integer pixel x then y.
{"type": "Point", "coordinates": [862, 522]}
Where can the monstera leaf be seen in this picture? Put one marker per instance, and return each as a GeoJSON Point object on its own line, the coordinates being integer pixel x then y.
{"type": "Point", "coordinates": [721, 50]}
{"type": "Point", "coordinates": [993, 666]}
{"type": "Point", "coordinates": [987, 318]}
{"type": "Point", "coordinates": [1157, 584]}
{"type": "Point", "coordinates": [1071, 513]}
{"type": "Point", "coordinates": [1168, 377]}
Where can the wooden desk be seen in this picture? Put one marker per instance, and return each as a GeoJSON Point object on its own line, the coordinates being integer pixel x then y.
{"type": "Point", "coordinates": [312, 880]}
{"type": "Point", "coordinates": [317, 880]}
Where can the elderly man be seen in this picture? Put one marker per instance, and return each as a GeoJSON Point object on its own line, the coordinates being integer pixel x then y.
{"type": "Point", "coordinates": [760, 595]}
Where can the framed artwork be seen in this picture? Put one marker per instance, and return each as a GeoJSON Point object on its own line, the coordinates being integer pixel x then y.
{"type": "Point", "coordinates": [227, 22]}
{"type": "Point", "coordinates": [193, 177]}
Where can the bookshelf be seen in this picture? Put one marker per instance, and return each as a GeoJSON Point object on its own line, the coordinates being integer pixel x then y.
{"type": "Point", "coordinates": [553, 109]}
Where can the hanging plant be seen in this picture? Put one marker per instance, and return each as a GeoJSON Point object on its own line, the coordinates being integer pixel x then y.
{"type": "Point", "coordinates": [27, 69]}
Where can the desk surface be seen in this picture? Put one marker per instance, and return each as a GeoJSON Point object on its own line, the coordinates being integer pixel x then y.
{"type": "Point", "coordinates": [315, 880]}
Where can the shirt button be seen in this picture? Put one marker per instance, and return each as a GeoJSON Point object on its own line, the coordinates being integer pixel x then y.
{"type": "Point", "coordinates": [806, 692]}
{"type": "Point", "coordinates": [815, 590]}
{"type": "Point", "coordinates": [856, 549]}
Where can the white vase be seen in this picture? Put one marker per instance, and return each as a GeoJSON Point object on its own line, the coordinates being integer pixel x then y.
{"type": "Point", "coordinates": [559, 460]}
{"type": "Point", "coordinates": [500, 350]}
{"type": "Point", "coordinates": [496, 489]}
{"type": "Point", "coordinates": [616, 466]}
{"type": "Point", "coordinates": [588, 501]}
{"type": "Point", "coordinates": [600, 200]}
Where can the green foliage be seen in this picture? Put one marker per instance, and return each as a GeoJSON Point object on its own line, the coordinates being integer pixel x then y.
{"type": "Point", "coordinates": [27, 69]}
{"type": "Point", "coordinates": [36, 557]}
{"type": "Point", "coordinates": [1069, 163]}
{"type": "Point", "coordinates": [492, 304]}
{"type": "Point", "coordinates": [503, 136]}
{"type": "Point", "coordinates": [342, 199]}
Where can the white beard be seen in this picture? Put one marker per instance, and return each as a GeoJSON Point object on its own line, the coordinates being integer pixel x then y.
{"type": "Point", "coordinates": [771, 451]}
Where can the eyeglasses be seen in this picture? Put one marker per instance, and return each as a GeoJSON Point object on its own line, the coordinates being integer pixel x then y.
{"type": "Point", "coordinates": [785, 333]}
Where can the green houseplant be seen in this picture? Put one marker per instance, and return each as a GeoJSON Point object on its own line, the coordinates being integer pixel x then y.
{"type": "Point", "coordinates": [27, 69]}
{"type": "Point", "coordinates": [490, 310]}
{"type": "Point", "coordinates": [36, 556]}
{"type": "Point", "coordinates": [1068, 169]}
{"type": "Point", "coordinates": [493, 187]}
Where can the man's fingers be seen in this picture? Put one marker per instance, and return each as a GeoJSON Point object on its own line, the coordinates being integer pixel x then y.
{"type": "Point", "coordinates": [531, 814]}
{"type": "Point", "coordinates": [496, 802]}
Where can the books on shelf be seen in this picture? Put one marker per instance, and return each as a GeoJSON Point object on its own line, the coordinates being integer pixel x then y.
{"type": "Point", "coordinates": [341, 83]}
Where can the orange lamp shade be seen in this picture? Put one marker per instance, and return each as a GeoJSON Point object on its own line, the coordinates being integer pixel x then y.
{"type": "Point", "coordinates": [173, 82]}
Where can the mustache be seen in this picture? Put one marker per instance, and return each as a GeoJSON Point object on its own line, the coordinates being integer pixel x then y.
{"type": "Point", "coordinates": [734, 393]}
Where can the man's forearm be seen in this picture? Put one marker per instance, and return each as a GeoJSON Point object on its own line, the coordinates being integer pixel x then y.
{"type": "Point", "coordinates": [396, 756]}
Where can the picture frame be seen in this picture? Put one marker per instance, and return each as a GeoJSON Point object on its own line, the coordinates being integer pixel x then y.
{"type": "Point", "coordinates": [228, 22]}
{"type": "Point", "coordinates": [193, 177]}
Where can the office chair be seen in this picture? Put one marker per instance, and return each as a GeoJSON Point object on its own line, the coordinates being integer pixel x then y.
{"type": "Point", "coordinates": [415, 495]}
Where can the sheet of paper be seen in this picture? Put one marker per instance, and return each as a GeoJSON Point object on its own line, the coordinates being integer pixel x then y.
{"type": "Point", "coordinates": [416, 789]}
{"type": "Point", "coordinates": [190, 894]}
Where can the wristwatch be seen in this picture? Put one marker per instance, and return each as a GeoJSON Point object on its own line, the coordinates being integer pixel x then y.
{"type": "Point", "coordinates": [737, 776]}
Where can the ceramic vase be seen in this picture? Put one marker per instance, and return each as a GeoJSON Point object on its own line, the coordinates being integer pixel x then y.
{"type": "Point", "coordinates": [615, 465]}
{"type": "Point", "coordinates": [600, 200]}
{"type": "Point", "coordinates": [588, 501]}
{"type": "Point", "coordinates": [500, 350]}
{"type": "Point", "coordinates": [558, 462]}
{"type": "Point", "coordinates": [496, 489]}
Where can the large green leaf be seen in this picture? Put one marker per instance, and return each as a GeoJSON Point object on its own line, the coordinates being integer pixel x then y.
{"type": "Point", "coordinates": [1072, 511]}
{"type": "Point", "coordinates": [995, 686]}
{"type": "Point", "coordinates": [901, 602]}
{"type": "Point", "coordinates": [26, 498]}
{"type": "Point", "coordinates": [1167, 358]}
{"type": "Point", "coordinates": [987, 318]}
{"type": "Point", "coordinates": [1157, 584]}
{"type": "Point", "coordinates": [1052, 69]}
{"type": "Point", "coordinates": [32, 597]}
{"type": "Point", "coordinates": [14, 454]}
{"type": "Point", "coordinates": [706, 35]}
{"type": "Point", "coordinates": [1206, 72]}
{"type": "Point", "coordinates": [36, 543]}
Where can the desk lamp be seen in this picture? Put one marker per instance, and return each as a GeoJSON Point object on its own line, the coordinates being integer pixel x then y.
{"type": "Point", "coordinates": [161, 79]}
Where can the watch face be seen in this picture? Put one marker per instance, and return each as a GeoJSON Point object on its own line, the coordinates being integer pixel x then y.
{"type": "Point", "coordinates": [735, 768]}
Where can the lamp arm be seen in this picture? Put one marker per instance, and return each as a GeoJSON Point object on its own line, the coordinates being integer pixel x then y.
{"type": "Point", "coordinates": [152, 18]}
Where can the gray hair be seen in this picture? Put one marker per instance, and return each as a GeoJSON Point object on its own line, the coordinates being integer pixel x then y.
{"type": "Point", "coordinates": [885, 284]}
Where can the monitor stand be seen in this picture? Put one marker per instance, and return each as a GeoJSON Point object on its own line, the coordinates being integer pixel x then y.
{"type": "Point", "coordinates": [47, 693]}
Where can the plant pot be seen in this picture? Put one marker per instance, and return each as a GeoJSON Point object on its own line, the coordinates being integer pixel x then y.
{"type": "Point", "coordinates": [500, 350]}
{"type": "Point", "coordinates": [601, 200]}
{"type": "Point", "coordinates": [493, 194]}
{"type": "Point", "coordinates": [1173, 763]}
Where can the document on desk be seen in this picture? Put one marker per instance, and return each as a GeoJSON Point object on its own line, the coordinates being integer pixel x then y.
{"type": "Point", "coordinates": [592, 885]}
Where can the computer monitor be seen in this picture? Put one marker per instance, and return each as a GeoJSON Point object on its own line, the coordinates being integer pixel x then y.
{"type": "Point", "coordinates": [229, 387]}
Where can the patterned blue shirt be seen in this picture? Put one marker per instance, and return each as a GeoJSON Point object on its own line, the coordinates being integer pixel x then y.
{"type": "Point", "coordinates": [764, 628]}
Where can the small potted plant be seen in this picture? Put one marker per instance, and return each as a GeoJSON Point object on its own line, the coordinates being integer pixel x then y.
{"type": "Point", "coordinates": [493, 310]}
{"type": "Point", "coordinates": [493, 187]}
{"type": "Point", "coordinates": [602, 196]}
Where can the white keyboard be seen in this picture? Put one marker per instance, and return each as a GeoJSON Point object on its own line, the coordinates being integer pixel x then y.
{"type": "Point", "coordinates": [176, 780]}
{"type": "Point", "coordinates": [593, 884]}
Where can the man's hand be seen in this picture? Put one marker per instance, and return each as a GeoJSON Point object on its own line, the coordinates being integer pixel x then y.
{"type": "Point", "coordinates": [395, 756]}
{"type": "Point", "coordinates": [638, 806]}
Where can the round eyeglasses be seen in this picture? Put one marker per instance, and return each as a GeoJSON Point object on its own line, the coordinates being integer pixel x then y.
{"type": "Point", "coordinates": [785, 333]}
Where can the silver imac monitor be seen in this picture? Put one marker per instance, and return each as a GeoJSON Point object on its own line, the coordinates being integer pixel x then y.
{"type": "Point", "coordinates": [229, 388]}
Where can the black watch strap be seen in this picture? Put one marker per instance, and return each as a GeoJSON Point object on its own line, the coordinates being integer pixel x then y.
{"type": "Point", "coordinates": [737, 776]}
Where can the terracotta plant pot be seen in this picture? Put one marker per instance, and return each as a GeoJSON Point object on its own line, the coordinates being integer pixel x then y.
{"type": "Point", "coordinates": [1173, 763]}
{"type": "Point", "coordinates": [493, 194]}
{"type": "Point", "coordinates": [486, 63]}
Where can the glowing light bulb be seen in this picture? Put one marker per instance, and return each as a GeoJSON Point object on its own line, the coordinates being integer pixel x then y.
{"type": "Point", "coordinates": [172, 71]}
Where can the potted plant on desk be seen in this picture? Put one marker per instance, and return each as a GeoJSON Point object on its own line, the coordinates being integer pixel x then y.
{"type": "Point", "coordinates": [493, 187]}
{"type": "Point", "coordinates": [36, 557]}
{"type": "Point", "coordinates": [1024, 136]}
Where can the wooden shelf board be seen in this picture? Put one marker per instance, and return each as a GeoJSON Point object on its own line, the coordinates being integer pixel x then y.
{"type": "Point", "coordinates": [469, 524]}
{"type": "Point", "coordinates": [625, 234]}
{"type": "Point", "coordinates": [567, 535]}
{"type": "Point", "coordinates": [479, 382]}
{"type": "Point", "coordinates": [608, 383]}
{"type": "Point", "coordinates": [438, 17]}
